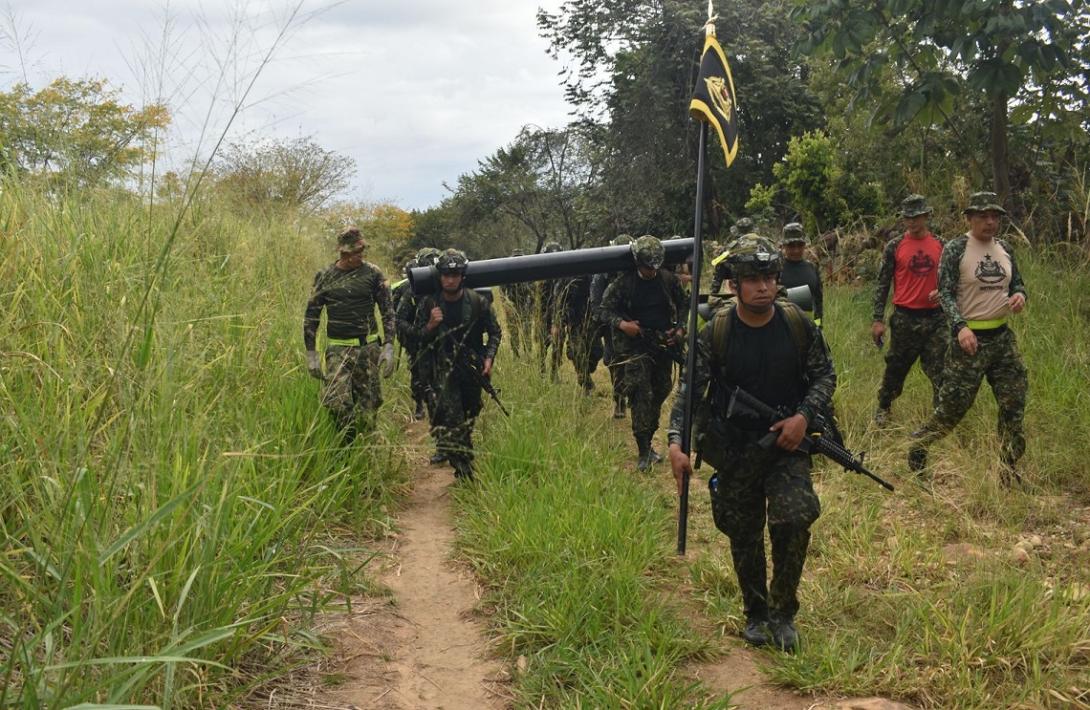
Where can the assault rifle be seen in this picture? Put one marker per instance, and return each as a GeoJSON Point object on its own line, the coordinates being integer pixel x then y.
{"type": "Point", "coordinates": [816, 441]}
{"type": "Point", "coordinates": [470, 361]}
{"type": "Point", "coordinates": [659, 341]}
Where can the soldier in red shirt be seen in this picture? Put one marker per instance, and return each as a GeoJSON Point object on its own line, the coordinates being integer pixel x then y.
{"type": "Point", "coordinates": [917, 326]}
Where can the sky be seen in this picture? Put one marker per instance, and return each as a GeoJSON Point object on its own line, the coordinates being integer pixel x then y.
{"type": "Point", "coordinates": [415, 91]}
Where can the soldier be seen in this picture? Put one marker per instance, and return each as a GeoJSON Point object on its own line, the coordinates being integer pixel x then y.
{"type": "Point", "coordinates": [797, 271]}
{"type": "Point", "coordinates": [598, 287]}
{"type": "Point", "coordinates": [348, 290]}
{"type": "Point", "coordinates": [406, 314]}
{"type": "Point", "coordinates": [549, 336]}
{"type": "Point", "coordinates": [451, 327]}
{"type": "Point", "coordinates": [647, 307]}
{"type": "Point", "coordinates": [720, 269]}
{"type": "Point", "coordinates": [774, 352]}
{"type": "Point", "coordinates": [579, 327]}
{"type": "Point", "coordinates": [520, 302]}
{"type": "Point", "coordinates": [979, 287]}
{"type": "Point", "coordinates": [917, 328]}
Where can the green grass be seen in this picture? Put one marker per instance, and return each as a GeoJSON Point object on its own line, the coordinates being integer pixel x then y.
{"type": "Point", "coordinates": [176, 506]}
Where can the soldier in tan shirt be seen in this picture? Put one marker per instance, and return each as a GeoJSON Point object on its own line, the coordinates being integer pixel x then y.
{"type": "Point", "coordinates": [979, 288]}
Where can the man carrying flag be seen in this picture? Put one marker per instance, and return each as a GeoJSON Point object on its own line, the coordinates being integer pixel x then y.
{"type": "Point", "coordinates": [772, 353]}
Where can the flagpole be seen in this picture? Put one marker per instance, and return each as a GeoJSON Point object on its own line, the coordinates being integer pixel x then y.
{"type": "Point", "coordinates": [694, 303]}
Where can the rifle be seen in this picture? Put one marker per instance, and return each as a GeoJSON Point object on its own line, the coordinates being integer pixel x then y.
{"type": "Point", "coordinates": [816, 441]}
{"type": "Point", "coordinates": [471, 363]}
{"type": "Point", "coordinates": [659, 341]}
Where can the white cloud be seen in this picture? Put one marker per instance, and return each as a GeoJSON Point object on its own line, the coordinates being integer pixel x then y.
{"type": "Point", "coordinates": [416, 91]}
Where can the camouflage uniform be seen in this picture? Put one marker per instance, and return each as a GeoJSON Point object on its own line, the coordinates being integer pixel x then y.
{"type": "Point", "coordinates": [918, 332]}
{"type": "Point", "coordinates": [520, 308]}
{"type": "Point", "coordinates": [581, 331]}
{"type": "Point", "coordinates": [351, 387]}
{"type": "Point", "coordinates": [753, 486]}
{"type": "Point", "coordinates": [648, 368]}
{"type": "Point", "coordinates": [457, 394]}
{"type": "Point", "coordinates": [405, 315]}
{"type": "Point", "coordinates": [607, 333]}
{"type": "Point", "coordinates": [997, 359]}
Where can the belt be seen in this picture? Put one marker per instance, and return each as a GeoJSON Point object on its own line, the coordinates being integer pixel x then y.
{"type": "Point", "coordinates": [917, 312]}
{"type": "Point", "coordinates": [993, 324]}
{"type": "Point", "coordinates": [353, 342]}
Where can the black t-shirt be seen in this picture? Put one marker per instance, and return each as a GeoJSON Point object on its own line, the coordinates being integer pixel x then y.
{"type": "Point", "coordinates": [764, 362]}
{"type": "Point", "coordinates": [803, 273]}
{"type": "Point", "coordinates": [452, 320]}
{"type": "Point", "coordinates": [651, 306]}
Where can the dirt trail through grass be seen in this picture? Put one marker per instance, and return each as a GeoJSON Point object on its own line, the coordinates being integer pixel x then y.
{"type": "Point", "coordinates": [422, 649]}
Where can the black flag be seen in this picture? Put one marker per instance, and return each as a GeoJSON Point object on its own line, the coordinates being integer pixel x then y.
{"type": "Point", "coordinates": [714, 100]}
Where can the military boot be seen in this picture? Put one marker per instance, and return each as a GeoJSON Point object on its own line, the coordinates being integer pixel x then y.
{"type": "Point", "coordinates": [463, 470]}
{"type": "Point", "coordinates": [881, 416]}
{"type": "Point", "coordinates": [437, 458]}
{"type": "Point", "coordinates": [618, 407]}
{"type": "Point", "coordinates": [784, 635]}
{"type": "Point", "coordinates": [656, 457]}
{"type": "Point", "coordinates": [643, 462]}
{"type": "Point", "coordinates": [917, 459]}
{"type": "Point", "coordinates": [1009, 475]}
{"type": "Point", "coordinates": [756, 632]}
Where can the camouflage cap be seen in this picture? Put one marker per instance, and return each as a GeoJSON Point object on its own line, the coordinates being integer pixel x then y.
{"type": "Point", "coordinates": [350, 241]}
{"type": "Point", "coordinates": [984, 202]}
{"type": "Point", "coordinates": [751, 255]}
{"type": "Point", "coordinates": [914, 206]}
{"type": "Point", "coordinates": [453, 261]}
{"type": "Point", "coordinates": [648, 251]}
{"type": "Point", "coordinates": [621, 240]}
{"type": "Point", "coordinates": [744, 225]}
{"type": "Point", "coordinates": [552, 248]}
{"type": "Point", "coordinates": [793, 233]}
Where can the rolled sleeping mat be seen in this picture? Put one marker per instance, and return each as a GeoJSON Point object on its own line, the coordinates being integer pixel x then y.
{"type": "Point", "coordinates": [540, 267]}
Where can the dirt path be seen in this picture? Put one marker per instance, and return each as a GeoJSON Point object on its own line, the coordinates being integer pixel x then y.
{"type": "Point", "coordinates": [423, 649]}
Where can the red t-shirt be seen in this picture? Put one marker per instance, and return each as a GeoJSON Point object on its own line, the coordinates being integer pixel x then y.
{"type": "Point", "coordinates": [917, 271]}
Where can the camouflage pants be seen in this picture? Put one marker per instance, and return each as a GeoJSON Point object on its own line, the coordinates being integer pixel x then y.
{"type": "Point", "coordinates": [456, 410]}
{"type": "Point", "coordinates": [996, 359]}
{"type": "Point", "coordinates": [352, 391]}
{"type": "Point", "coordinates": [753, 487]}
{"type": "Point", "coordinates": [613, 363]}
{"type": "Point", "coordinates": [648, 379]}
{"type": "Point", "coordinates": [584, 351]}
{"type": "Point", "coordinates": [914, 337]}
{"type": "Point", "coordinates": [418, 379]}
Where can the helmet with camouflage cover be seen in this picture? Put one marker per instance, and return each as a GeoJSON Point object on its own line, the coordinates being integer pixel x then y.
{"type": "Point", "coordinates": [793, 233]}
{"type": "Point", "coordinates": [621, 240]}
{"type": "Point", "coordinates": [552, 248]}
{"type": "Point", "coordinates": [648, 251]}
{"type": "Point", "coordinates": [350, 241]}
{"type": "Point", "coordinates": [743, 226]}
{"type": "Point", "coordinates": [453, 261]}
{"type": "Point", "coordinates": [428, 256]}
{"type": "Point", "coordinates": [753, 255]}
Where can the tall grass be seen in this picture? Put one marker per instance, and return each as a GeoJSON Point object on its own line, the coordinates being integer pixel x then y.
{"type": "Point", "coordinates": [573, 549]}
{"type": "Point", "coordinates": [888, 606]}
{"type": "Point", "coordinates": [171, 508]}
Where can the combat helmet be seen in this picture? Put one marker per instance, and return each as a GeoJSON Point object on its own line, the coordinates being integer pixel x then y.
{"type": "Point", "coordinates": [743, 226]}
{"type": "Point", "coordinates": [552, 248]}
{"type": "Point", "coordinates": [428, 256]}
{"type": "Point", "coordinates": [648, 251]}
{"type": "Point", "coordinates": [793, 233]}
{"type": "Point", "coordinates": [452, 261]}
{"type": "Point", "coordinates": [621, 240]}
{"type": "Point", "coordinates": [753, 255]}
{"type": "Point", "coordinates": [350, 241]}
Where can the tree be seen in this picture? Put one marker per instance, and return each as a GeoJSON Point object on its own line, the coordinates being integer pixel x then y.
{"type": "Point", "coordinates": [944, 52]}
{"type": "Point", "coordinates": [77, 129]}
{"type": "Point", "coordinates": [633, 65]}
{"type": "Point", "coordinates": [294, 174]}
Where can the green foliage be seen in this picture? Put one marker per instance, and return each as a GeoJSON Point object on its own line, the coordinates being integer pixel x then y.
{"type": "Point", "coordinates": [809, 175]}
{"type": "Point", "coordinates": [176, 499]}
{"type": "Point", "coordinates": [296, 174]}
{"type": "Point", "coordinates": [761, 203]}
{"type": "Point", "coordinates": [76, 129]}
{"type": "Point", "coordinates": [569, 547]}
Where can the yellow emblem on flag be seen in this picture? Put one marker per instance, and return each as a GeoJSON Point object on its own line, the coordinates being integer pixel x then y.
{"type": "Point", "coordinates": [714, 99]}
